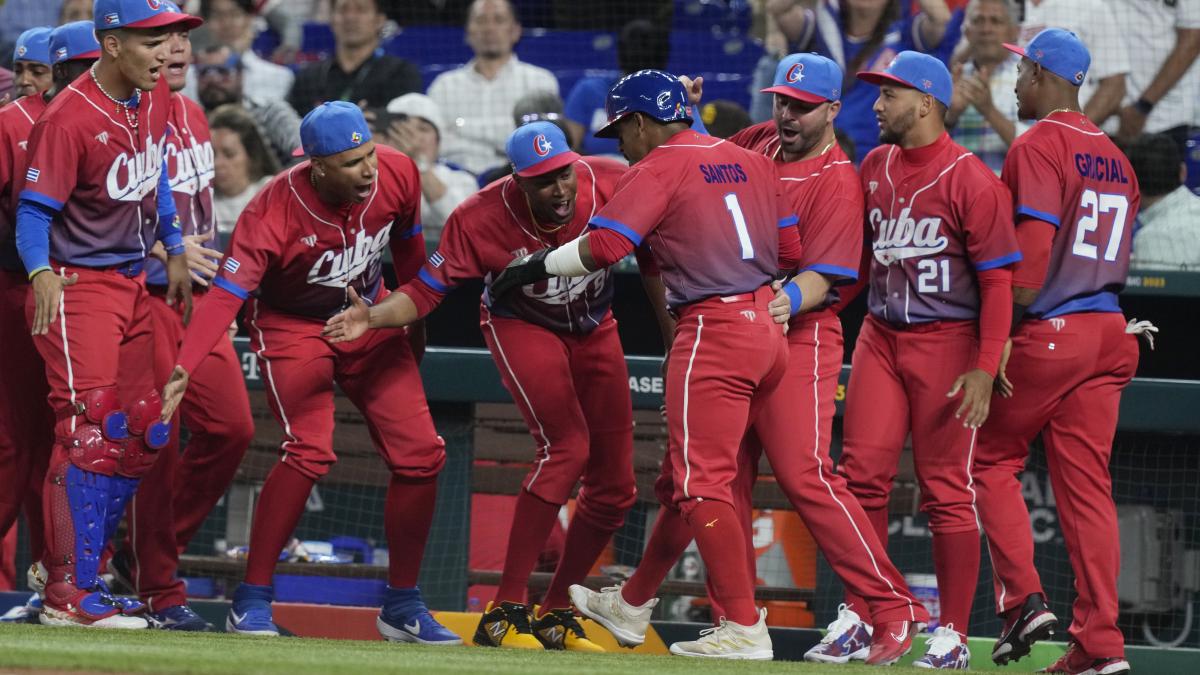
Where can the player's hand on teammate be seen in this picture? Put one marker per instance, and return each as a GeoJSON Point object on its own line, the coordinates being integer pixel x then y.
{"type": "Point", "coordinates": [179, 285]}
{"type": "Point", "coordinates": [47, 291]}
{"type": "Point", "coordinates": [173, 392]}
{"type": "Point", "coordinates": [201, 260]}
{"type": "Point", "coordinates": [350, 323]}
{"type": "Point", "coordinates": [976, 388]}
{"type": "Point", "coordinates": [1004, 386]}
{"type": "Point", "coordinates": [780, 307]}
{"type": "Point", "coordinates": [527, 269]}
{"type": "Point", "coordinates": [694, 88]}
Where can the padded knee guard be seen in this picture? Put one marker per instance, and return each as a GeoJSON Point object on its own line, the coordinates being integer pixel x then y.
{"type": "Point", "coordinates": [147, 435]}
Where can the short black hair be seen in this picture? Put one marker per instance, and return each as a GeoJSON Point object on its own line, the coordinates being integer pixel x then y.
{"type": "Point", "coordinates": [379, 9]}
{"type": "Point", "coordinates": [246, 6]}
{"type": "Point", "coordinates": [1155, 159]}
{"type": "Point", "coordinates": [641, 45]}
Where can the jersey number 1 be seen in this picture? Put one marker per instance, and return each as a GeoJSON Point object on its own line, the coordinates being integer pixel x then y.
{"type": "Point", "coordinates": [739, 224]}
{"type": "Point", "coordinates": [1100, 203]}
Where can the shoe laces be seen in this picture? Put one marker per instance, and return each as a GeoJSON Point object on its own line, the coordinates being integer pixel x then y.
{"type": "Point", "coordinates": [846, 620]}
{"type": "Point", "coordinates": [518, 617]}
{"type": "Point", "coordinates": [566, 618]}
{"type": "Point", "coordinates": [943, 641]}
{"type": "Point", "coordinates": [714, 633]}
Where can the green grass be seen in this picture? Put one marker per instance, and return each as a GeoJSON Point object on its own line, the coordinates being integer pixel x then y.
{"type": "Point", "coordinates": [94, 650]}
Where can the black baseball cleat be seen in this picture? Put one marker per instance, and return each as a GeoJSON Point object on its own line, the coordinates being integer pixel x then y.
{"type": "Point", "coordinates": [1033, 622]}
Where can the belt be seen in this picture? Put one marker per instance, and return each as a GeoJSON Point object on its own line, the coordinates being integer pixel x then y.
{"type": "Point", "coordinates": [126, 269]}
{"type": "Point", "coordinates": [924, 327]}
{"type": "Point", "coordinates": [737, 297]}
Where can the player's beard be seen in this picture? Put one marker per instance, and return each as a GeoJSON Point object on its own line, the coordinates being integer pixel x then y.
{"type": "Point", "coordinates": [894, 130]}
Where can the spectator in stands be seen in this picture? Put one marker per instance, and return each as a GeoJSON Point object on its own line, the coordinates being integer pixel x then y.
{"type": "Point", "coordinates": [540, 106]}
{"type": "Point", "coordinates": [358, 70]}
{"type": "Point", "coordinates": [1162, 92]}
{"type": "Point", "coordinates": [220, 78]}
{"type": "Point", "coordinates": [983, 111]}
{"type": "Point", "coordinates": [1167, 230]}
{"type": "Point", "coordinates": [75, 10]}
{"type": "Point", "coordinates": [231, 22]}
{"type": "Point", "coordinates": [640, 45]}
{"type": "Point", "coordinates": [6, 85]}
{"type": "Point", "coordinates": [1104, 86]}
{"type": "Point", "coordinates": [418, 134]}
{"type": "Point", "coordinates": [242, 164]}
{"type": "Point", "coordinates": [724, 118]}
{"type": "Point", "coordinates": [477, 99]}
{"type": "Point", "coordinates": [858, 35]}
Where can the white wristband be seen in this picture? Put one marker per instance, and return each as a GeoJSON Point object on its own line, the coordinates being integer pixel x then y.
{"type": "Point", "coordinates": [565, 261]}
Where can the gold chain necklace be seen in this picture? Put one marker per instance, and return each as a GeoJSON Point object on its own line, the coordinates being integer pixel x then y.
{"type": "Point", "coordinates": [1058, 110]}
{"type": "Point", "coordinates": [121, 105]}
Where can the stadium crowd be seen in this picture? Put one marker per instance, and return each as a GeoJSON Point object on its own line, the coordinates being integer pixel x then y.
{"type": "Point", "coordinates": [263, 73]}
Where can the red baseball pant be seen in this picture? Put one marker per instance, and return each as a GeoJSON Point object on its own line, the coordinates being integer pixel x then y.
{"type": "Point", "coordinates": [177, 494]}
{"type": "Point", "coordinates": [573, 392]}
{"type": "Point", "coordinates": [1067, 374]}
{"type": "Point", "coordinates": [26, 420]}
{"type": "Point", "coordinates": [898, 385]}
{"type": "Point", "coordinates": [101, 339]}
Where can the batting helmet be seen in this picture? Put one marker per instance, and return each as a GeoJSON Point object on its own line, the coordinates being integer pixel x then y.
{"type": "Point", "coordinates": [659, 95]}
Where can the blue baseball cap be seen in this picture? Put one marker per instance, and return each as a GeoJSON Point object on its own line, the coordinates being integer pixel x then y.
{"type": "Point", "coordinates": [33, 45]}
{"type": "Point", "coordinates": [75, 40]}
{"type": "Point", "coordinates": [537, 148]}
{"type": "Point", "coordinates": [811, 78]}
{"type": "Point", "coordinates": [1058, 51]}
{"type": "Point", "coordinates": [330, 128]}
{"type": "Point", "coordinates": [915, 71]}
{"type": "Point", "coordinates": [109, 14]}
{"type": "Point", "coordinates": [654, 93]}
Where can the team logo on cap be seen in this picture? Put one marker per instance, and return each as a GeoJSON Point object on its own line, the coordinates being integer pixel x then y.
{"type": "Point", "coordinates": [664, 99]}
{"type": "Point", "coordinates": [927, 84]}
{"type": "Point", "coordinates": [21, 51]}
{"type": "Point", "coordinates": [112, 18]}
{"type": "Point", "coordinates": [541, 145]}
{"type": "Point", "coordinates": [356, 138]}
{"type": "Point", "coordinates": [1039, 53]}
{"type": "Point", "coordinates": [795, 73]}
{"type": "Point", "coordinates": [154, 4]}
{"type": "Point", "coordinates": [60, 54]}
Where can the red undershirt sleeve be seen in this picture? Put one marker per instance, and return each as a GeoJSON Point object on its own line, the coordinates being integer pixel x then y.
{"type": "Point", "coordinates": [215, 311]}
{"type": "Point", "coordinates": [608, 246]}
{"type": "Point", "coordinates": [424, 296]}
{"type": "Point", "coordinates": [995, 316]}
{"type": "Point", "coordinates": [1036, 238]}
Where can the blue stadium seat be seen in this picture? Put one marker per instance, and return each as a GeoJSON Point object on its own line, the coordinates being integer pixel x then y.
{"type": "Point", "coordinates": [317, 39]}
{"type": "Point", "coordinates": [430, 45]}
{"type": "Point", "coordinates": [727, 15]}
{"type": "Point", "coordinates": [555, 49]}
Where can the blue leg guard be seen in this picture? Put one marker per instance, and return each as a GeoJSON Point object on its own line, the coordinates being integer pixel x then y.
{"type": "Point", "coordinates": [122, 490]}
{"type": "Point", "coordinates": [88, 499]}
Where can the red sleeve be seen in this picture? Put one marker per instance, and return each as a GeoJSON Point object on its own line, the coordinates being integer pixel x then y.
{"type": "Point", "coordinates": [647, 265]}
{"type": "Point", "coordinates": [53, 166]}
{"type": "Point", "coordinates": [636, 208]}
{"type": "Point", "coordinates": [6, 169]}
{"type": "Point", "coordinates": [1036, 183]}
{"type": "Point", "coordinates": [608, 247]}
{"type": "Point", "coordinates": [456, 260]}
{"type": "Point", "coordinates": [257, 240]}
{"type": "Point", "coordinates": [991, 238]}
{"type": "Point", "coordinates": [407, 243]}
{"type": "Point", "coordinates": [215, 311]}
{"type": "Point", "coordinates": [995, 316]}
{"type": "Point", "coordinates": [831, 233]}
{"type": "Point", "coordinates": [789, 245]}
{"type": "Point", "coordinates": [1036, 238]}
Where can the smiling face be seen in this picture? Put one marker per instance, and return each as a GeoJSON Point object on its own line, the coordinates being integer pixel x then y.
{"type": "Point", "coordinates": [801, 125]}
{"type": "Point", "coordinates": [31, 77]}
{"type": "Point", "coordinates": [896, 111]}
{"type": "Point", "coordinates": [551, 195]}
{"type": "Point", "coordinates": [348, 176]}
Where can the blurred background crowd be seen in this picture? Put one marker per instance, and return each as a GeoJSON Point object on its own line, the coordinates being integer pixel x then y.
{"type": "Point", "coordinates": [445, 81]}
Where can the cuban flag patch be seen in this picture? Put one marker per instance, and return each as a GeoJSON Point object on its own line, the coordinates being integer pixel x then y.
{"type": "Point", "coordinates": [32, 175]}
{"type": "Point", "coordinates": [232, 265]}
{"type": "Point", "coordinates": [112, 18]}
{"type": "Point", "coordinates": [436, 259]}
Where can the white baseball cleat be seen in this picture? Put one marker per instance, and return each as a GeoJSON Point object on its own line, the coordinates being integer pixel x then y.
{"type": "Point", "coordinates": [731, 640]}
{"type": "Point", "coordinates": [626, 622]}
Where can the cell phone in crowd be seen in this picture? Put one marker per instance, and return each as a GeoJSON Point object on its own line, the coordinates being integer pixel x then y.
{"type": "Point", "coordinates": [384, 119]}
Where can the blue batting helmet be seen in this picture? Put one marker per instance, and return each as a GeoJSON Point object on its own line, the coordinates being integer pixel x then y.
{"type": "Point", "coordinates": [651, 92]}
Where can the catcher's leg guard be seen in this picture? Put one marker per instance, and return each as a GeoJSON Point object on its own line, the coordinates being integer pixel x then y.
{"type": "Point", "coordinates": [147, 435]}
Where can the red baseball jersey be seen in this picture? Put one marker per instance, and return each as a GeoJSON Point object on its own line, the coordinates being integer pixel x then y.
{"type": "Point", "coordinates": [824, 192]}
{"type": "Point", "coordinates": [937, 216]}
{"type": "Point", "coordinates": [188, 153]}
{"type": "Point", "coordinates": [16, 121]}
{"type": "Point", "coordinates": [1066, 172]}
{"type": "Point", "coordinates": [302, 254]}
{"type": "Point", "coordinates": [710, 212]}
{"type": "Point", "coordinates": [492, 227]}
{"type": "Point", "coordinates": [99, 173]}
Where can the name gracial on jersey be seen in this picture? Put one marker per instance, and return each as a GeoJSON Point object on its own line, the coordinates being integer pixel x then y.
{"type": "Point", "coordinates": [905, 237]}
{"type": "Point", "coordinates": [337, 268]}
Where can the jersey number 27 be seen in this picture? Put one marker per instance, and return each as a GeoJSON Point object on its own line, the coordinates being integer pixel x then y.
{"type": "Point", "coordinates": [1101, 203]}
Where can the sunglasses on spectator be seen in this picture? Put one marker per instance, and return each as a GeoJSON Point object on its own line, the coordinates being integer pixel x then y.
{"type": "Point", "coordinates": [231, 67]}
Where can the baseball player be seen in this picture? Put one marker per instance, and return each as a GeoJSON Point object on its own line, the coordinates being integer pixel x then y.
{"type": "Point", "coordinates": [942, 246]}
{"type": "Point", "coordinates": [555, 344]}
{"type": "Point", "coordinates": [310, 236]}
{"type": "Point", "coordinates": [92, 205]}
{"type": "Point", "coordinates": [795, 422]}
{"type": "Point", "coordinates": [1076, 198]}
{"type": "Point", "coordinates": [718, 231]}
{"type": "Point", "coordinates": [177, 494]}
{"type": "Point", "coordinates": [25, 419]}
